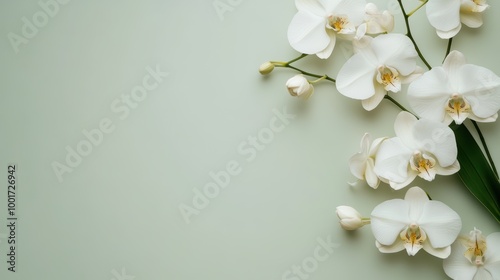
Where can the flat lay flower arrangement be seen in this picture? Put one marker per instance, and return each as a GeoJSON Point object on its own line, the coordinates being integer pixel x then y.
{"type": "Point", "coordinates": [430, 138]}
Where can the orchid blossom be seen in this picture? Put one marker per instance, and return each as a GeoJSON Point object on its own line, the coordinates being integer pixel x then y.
{"type": "Point", "coordinates": [415, 223]}
{"type": "Point", "coordinates": [456, 91]}
{"type": "Point", "coordinates": [421, 148]}
{"type": "Point", "coordinates": [318, 23]}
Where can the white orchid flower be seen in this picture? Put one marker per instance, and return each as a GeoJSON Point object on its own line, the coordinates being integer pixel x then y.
{"type": "Point", "coordinates": [362, 164]}
{"type": "Point", "coordinates": [376, 22]}
{"type": "Point", "coordinates": [456, 91]}
{"type": "Point", "coordinates": [318, 23]}
{"type": "Point", "coordinates": [380, 64]}
{"type": "Point", "coordinates": [447, 16]}
{"type": "Point", "coordinates": [421, 148]}
{"type": "Point", "coordinates": [415, 223]}
{"type": "Point", "coordinates": [474, 257]}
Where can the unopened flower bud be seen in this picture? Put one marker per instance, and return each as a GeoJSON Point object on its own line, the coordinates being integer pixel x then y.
{"type": "Point", "coordinates": [298, 85]}
{"type": "Point", "coordinates": [350, 218]}
{"type": "Point", "coordinates": [266, 68]}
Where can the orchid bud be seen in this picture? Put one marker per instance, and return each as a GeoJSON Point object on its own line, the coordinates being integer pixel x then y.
{"type": "Point", "coordinates": [298, 85]}
{"type": "Point", "coordinates": [266, 68]}
{"type": "Point", "coordinates": [350, 218]}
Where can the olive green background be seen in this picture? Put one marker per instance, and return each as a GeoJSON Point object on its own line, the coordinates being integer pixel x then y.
{"type": "Point", "coordinates": [116, 214]}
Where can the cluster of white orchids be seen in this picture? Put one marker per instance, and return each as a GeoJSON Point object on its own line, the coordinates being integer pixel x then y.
{"type": "Point", "coordinates": [429, 137]}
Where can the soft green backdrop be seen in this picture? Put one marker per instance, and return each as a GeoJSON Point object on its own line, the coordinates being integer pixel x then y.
{"type": "Point", "coordinates": [116, 214]}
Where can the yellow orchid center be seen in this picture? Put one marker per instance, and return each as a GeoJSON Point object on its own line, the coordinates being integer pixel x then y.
{"type": "Point", "coordinates": [338, 23]}
{"type": "Point", "coordinates": [413, 238]}
{"type": "Point", "coordinates": [389, 78]}
{"type": "Point", "coordinates": [476, 247]}
{"type": "Point", "coordinates": [458, 108]}
{"type": "Point", "coordinates": [424, 165]}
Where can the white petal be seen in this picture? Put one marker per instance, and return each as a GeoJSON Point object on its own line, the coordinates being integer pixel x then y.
{"type": "Point", "coordinates": [452, 169]}
{"type": "Point", "coordinates": [428, 94]}
{"type": "Point", "coordinates": [357, 165]}
{"type": "Point", "coordinates": [314, 7]}
{"type": "Point", "coordinates": [413, 76]}
{"type": "Point", "coordinates": [441, 253]}
{"type": "Point", "coordinates": [483, 274]}
{"type": "Point", "coordinates": [388, 219]}
{"type": "Point", "coordinates": [395, 50]}
{"type": "Point", "coordinates": [436, 138]}
{"type": "Point", "coordinates": [356, 78]}
{"type": "Point", "coordinates": [468, 17]}
{"type": "Point", "coordinates": [307, 33]}
{"type": "Point", "coordinates": [451, 65]}
{"type": "Point", "coordinates": [411, 176]}
{"type": "Point", "coordinates": [481, 88]}
{"type": "Point", "coordinates": [456, 265]}
{"type": "Point", "coordinates": [404, 128]}
{"type": "Point", "coordinates": [444, 15]}
{"type": "Point", "coordinates": [324, 54]}
{"type": "Point", "coordinates": [394, 248]}
{"type": "Point", "coordinates": [354, 9]}
{"type": "Point", "coordinates": [441, 224]}
{"type": "Point", "coordinates": [392, 161]}
{"type": "Point", "coordinates": [417, 198]}
{"type": "Point", "coordinates": [448, 34]}
{"type": "Point", "coordinates": [372, 102]}
{"type": "Point", "coordinates": [492, 254]}
{"type": "Point", "coordinates": [375, 146]}
{"type": "Point", "coordinates": [371, 178]}
{"type": "Point", "coordinates": [486, 120]}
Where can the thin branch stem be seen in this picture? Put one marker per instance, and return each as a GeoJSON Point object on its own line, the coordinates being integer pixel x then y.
{"type": "Point", "coordinates": [326, 77]}
{"type": "Point", "coordinates": [417, 8]}
{"type": "Point", "coordinates": [408, 33]}
{"type": "Point", "coordinates": [448, 49]}
{"type": "Point", "coordinates": [483, 142]}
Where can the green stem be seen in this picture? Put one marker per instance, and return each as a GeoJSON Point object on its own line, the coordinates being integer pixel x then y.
{"type": "Point", "coordinates": [317, 80]}
{"type": "Point", "coordinates": [408, 33]}
{"type": "Point", "coordinates": [325, 77]}
{"type": "Point", "coordinates": [395, 102]}
{"type": "Point", "coordinates": [284, 64]}
{"type": "Point", "coordinates": [417, 8]}
{"type": "Point", "coordinates": [448, 49]}
{"type": "Point", "coordinates": [483, 142]}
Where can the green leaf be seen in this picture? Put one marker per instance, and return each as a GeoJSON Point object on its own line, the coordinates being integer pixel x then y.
{"type": "Point", "coordinates": [475, 171]}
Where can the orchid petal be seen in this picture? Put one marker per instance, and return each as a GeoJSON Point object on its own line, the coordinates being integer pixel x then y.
{"type": "Point", "coordinates": [481, 88]}
{"type": "Point", "coordinates": [393, 248]}
{"type": "Point", "coordinates": [417, 198]}
{"type": "Point", "coordinates": [307, 33]}
{"type": "Point", "coordinates": [397, 51]}
{"type": "Point", "coordinates": [355, 78]}
{"type": "Point", "coordinates": [324, 54]}
{"type": "Point", "coordinates": [397, 186]}
{"type": "Point", "coordinates": [448, 34]}
{"type": "Point", "coordinates": [315, 7]}
{"type": "Point", "coordinates": [444, 15]}
{"type": "Point", "coordinates": [493, 255]}
{"type": "Point", "coordinates": [372, 102]}
{"type": "Point", "coordinates": [404, 126]}
{"type": "Point", "coordinates": [428, 94]}
{"type": "Point", "coordinates": [370, 175]}
{"type": "Point", "coordinates": [388, 219]}
{"type": "Point", "coordinates": [452, 169]}
{"type": "Point", "coordinates": [483, 274]}
{"type": "Point", "coordinates": [441, 223]}
{"type": "Point", "coordinates": [441, 253]}
{"type": "Point", "coordinates": [354, 9]}
{"type": "Point", "coordinates": [457, 266]}
{"type": "Point", "coordinates": [392, 161]}
{"type": "Point", "coordinates": [436, 138]}
{"type": "Point", "coordinates": [451, 65]}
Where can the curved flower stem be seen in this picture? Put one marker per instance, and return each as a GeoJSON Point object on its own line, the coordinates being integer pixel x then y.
{"type": "Point", "coordinates": [318, 80]}
{"type": "Point", "coordinates": [483, 142]}
{"type": "Point", "coordinates": [417, 8]}
{"type": "Point", "coordinates": [448, 49]}
{"type": "Point", "coordinates": [324, 77]}
{"type": "Point", "coordinates": [408, 33]}
{"type": "Point", "coordinates": [284, 64]}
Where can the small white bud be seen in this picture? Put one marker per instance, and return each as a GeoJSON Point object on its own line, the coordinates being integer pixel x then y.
{"type": "Point", "coordinates": [350, 218]}
{"type": "Point", "coordinates": [266, 68]}
{"type": "Point", "coordinates": [298, 85]}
